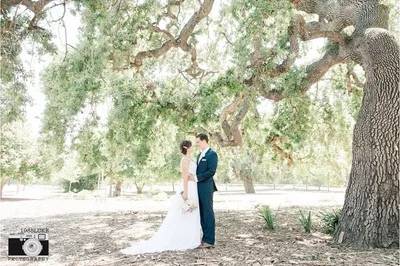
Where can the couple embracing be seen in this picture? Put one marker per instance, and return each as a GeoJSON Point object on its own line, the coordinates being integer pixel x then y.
{"type": "Point", "coordinates": [187, 227]}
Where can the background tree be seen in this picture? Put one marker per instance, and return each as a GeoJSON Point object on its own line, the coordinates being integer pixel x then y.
{"type": "Point", "coordinates": [19, 159]}
{"type": "Point", "coordinates": [21, 24]}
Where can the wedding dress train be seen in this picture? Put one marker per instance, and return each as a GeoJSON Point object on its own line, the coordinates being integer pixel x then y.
{"type": "Point", "coordinates": [179, 230]}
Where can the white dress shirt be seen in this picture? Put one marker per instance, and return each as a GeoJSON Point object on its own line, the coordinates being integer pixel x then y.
{"type": "Point", "coordinates": [203, 152]}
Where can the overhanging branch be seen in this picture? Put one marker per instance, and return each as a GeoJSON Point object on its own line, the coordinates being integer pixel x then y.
{"type": "Point", "coordinates": [315, 29]}
{"type": "Point", "coordinates": [182, 41]}
{"type": "Point", "coordinates": [231, 117]}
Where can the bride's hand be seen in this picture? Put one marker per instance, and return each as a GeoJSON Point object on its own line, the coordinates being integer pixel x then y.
{"type": "Point", "coordinates": [184, 195]}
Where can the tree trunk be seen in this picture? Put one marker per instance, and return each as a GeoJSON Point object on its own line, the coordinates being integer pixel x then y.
{"type": "Point", "coordinates": [98, 181]}
{"type": "Point", "coordinates": [370, 215]}
{"type": "Point", "coordinates": [110, 193]}
{"type": "Point", "coordinates": [18, 184]}
{"type": "Point", "coordinates": [139, 187]}
{"type": "Point", "coordinates": [248, 184]}
{"type": "Point", "coordinates": [2, 183]}
{"type": "Point", "coordinates": [118, 189]}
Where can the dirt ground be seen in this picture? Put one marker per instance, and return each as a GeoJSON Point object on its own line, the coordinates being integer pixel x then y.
{"type": "Point", "coordinates": [95, 239]}
{"type": "Point", "coordinates": [85, 229]}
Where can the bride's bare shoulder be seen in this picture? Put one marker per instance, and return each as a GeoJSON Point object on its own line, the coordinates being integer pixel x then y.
{"type": "Point", "coordinates": [184, 161]}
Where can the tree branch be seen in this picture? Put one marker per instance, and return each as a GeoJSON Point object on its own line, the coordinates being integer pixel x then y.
{"type": "Point", "coordinates": [34, 6]}
{"type": "Point", "coordinates": [317, 70]}
{"type": "Point", "coordinates": [180, 42]}
{"type": "Point", "coordinates": [315, 29]}
{"type": "Point", "coordinates": [314, 71]}
{"type": "Point", "coordinates": [352, 79]}
{"type": "Point", "coordinates": [259, 64]}
{"type": "Point", "coordinates": [230, 120]}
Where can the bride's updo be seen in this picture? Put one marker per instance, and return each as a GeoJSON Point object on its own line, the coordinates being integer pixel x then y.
{"type": "Point", "coordinates": [186, 144]}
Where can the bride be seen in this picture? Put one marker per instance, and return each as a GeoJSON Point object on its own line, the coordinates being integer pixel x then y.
{"type": "Point", "coordinates": [180, 229]}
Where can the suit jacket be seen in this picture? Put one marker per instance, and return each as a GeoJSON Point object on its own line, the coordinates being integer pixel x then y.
{"type": "Point", "coordinates": [207, 167]}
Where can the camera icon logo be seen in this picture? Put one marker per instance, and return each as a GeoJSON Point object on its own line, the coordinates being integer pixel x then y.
{"type": "Point", "coordinates": [29, 245]}
{"type": "Point", "coordinates": [32, 247]}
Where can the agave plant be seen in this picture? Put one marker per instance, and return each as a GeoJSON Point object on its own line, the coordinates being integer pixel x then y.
{"type": "Point", "coordinates": [305, 221]}
{"type": "Point", "coordinates": [269, 218]}
{"type": "Point", "coordinates": [330, 220]}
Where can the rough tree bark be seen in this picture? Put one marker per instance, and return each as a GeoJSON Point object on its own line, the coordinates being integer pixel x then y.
{"type": "Point", "coordinates": [118, 189]}
{"type": "Point", "coordinates": [248, 184]}
{"type": "Point", "coordinates": [139, 187]}
{"type": "Point", "coordinates": [246, 177]}
{"type": "Point", "coordinates": [370, 216]}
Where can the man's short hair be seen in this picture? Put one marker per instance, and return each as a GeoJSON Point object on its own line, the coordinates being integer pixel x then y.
{"type": "Point", "coordinates": [202, 136]}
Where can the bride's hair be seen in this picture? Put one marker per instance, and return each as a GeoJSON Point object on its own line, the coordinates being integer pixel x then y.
{"type": "Point", "coordinates": [186, 144]}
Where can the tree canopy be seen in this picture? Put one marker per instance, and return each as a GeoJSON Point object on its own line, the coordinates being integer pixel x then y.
{"type": "Point", "coordinates": [169, 69]}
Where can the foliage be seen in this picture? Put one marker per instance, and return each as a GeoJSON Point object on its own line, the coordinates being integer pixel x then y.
{"type": "Point", "coordinates": [68, 84]}
{"type": "Point", "coordinates": [19, 159]}
{"type": "Point", "coordinates": [245, 165]}
{"type": "Point", "coordinates": [125, 148]}
{"type": "Point", "coordinates": [291, 123]}
{"type": "Point", "coordinates": [330, 220]}
{"type": "Point", "coordinates": [13, 99]}
{"type": "Point", "coordinates": [70, 170]}
{"type": "Point", "coordinates": [305, 221]}
{"type": "Point", "coordinates": [149, 110]}
{"type": "Point", "coordinates": [255, 18]}
{"type": "Point", "coordinates": [83, 183]}
{"type": "Point", "coordinates": [17, 31]}
{"type": "Point", "coordinates": [214, 92]}
{"type": "Point", "coordinates": [269, 217]}
{"type": "Point", "coordinates": [88, 143]}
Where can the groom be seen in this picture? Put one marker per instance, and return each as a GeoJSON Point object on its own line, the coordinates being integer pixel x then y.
{"type": "Point", "coordinates": [207, 162]}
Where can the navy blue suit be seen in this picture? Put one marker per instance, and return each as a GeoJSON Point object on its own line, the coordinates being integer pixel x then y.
{"type": "Point", "coordinates": [205, 172]}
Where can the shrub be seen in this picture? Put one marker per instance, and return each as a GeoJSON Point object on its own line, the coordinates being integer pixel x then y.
{"type": "Point", "coordinates": [305, 221]}
{"type": "Point", "coordinates": [269, 218]}
{"type": "Point", "coordinates": [330, 220]}
{"type": "Point", "coordinates": [88, 182]}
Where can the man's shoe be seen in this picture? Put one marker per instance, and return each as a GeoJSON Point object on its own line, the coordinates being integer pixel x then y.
{"type": "Point", "coordinates": [207, 245]}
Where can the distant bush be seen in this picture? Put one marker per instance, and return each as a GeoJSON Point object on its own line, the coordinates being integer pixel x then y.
{"type": "Point", "coordinates": [330, 221]}
{"type": "Point", "coordinates": [269, 218]}
{"type": "Point", "coordinates": [88, 182]}
{"type": "Point", "coordinates": [305, 221]}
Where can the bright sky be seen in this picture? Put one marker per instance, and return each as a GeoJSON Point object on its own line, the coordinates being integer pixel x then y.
{"type": "Point", "coordinates": [36, 65]}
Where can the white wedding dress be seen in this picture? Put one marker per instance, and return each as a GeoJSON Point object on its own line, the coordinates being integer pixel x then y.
{"type": "Point", "coordinates": [179, 230]}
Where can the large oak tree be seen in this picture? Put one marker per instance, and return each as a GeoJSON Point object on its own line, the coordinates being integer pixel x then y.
{"type": "Point", "coordinates": [370, 214]}
{"type": "Point", "coordinates": [356, 33]}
